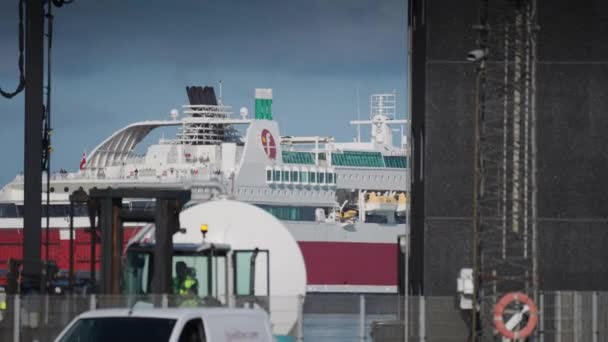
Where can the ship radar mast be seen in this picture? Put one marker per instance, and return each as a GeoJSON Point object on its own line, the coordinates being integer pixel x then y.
{"type": "Point", "coordinates": [383, 109]}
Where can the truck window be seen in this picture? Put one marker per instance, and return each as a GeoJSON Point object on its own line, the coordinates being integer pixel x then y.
{"type": "Point", "coordinates": [193, 331]}
{"type": "Point", "coordinates": [120, 329]}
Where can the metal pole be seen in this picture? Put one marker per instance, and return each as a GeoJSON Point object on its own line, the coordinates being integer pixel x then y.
{"type": "Point", "coordinates": [476, 218]}
{"type": "Point", "coordinates": [576, 324]}
{"type": "Point", "coordinates": [105, 225]}
{"type": "Point", "coordinates": [406, 287]}
{"type": "Point", "coordinates": [47, 125]}
{"type": "Point", "coordinates": [558, 317]}
{"type": "Point", "coordinates": [300, 329]}
{"type": "Point", "coordinates": [161, 282]}
{"type": "Point", "coordinates": [422, 319]}
{"type": "Point", "coordinates": [164, 300]}
{"type": "Point", "coordinates": [93, 302]}
{"type": "Point", "coordinates": [533, 151]}
{"type": "Point", "coordinates": [594, 325]}
{"type": "Point", "coordinates": [362, 318]}
{"type": "Point", "coordinates": [46, 309]}
{"type": "Point", "coordinates": [71, 275]}
{"type": "Point", "coordinates": [16, 317]}
{"type": "Point", "coordinates": [93, 242]}
{"type": "Point", "coordinates": [34, 66]}
{"type": "Point", "coordinates": [541, 318]}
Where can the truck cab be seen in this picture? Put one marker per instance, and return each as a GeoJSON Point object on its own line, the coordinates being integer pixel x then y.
{"type": "Point", "coordinates": [220, 275]}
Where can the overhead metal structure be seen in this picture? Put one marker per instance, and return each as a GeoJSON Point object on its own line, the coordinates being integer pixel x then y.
{"type": "Point", "coordinates": [34, 115]}
{"type": "Point", "coordinates": [107, 203]}
{"type": "Point", "coordinates": [504, 210]}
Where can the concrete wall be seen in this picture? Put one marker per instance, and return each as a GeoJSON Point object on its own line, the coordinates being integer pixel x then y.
{"type": "Point", "coordinates": [572, 118]}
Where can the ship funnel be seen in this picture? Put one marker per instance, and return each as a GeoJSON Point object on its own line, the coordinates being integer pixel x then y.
{"type": "Point", "coordinates": [263, 103]}
{"type": "Point", "coordinates": [201, 95]}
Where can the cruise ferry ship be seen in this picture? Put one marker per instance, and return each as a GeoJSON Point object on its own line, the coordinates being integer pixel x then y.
{"type": "Point", "coordinates": [344, 202]}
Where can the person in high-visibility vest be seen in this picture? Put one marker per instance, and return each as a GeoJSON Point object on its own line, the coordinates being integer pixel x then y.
{"type": "Point", "coordinates": [183, 283]}
{"type": "Point", "coordinates": [185, 286]}
{"type": "Point", "coordinates": [2, 305]}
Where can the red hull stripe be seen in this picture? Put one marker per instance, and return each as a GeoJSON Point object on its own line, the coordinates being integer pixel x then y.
{"type": "Point", "coordinates": [340, 263]}
{"type": "Point", "coordinates": [327, 263]}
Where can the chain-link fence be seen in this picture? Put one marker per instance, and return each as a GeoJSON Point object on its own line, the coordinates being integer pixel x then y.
{"type": "Point", "coordinates": [564, 316]}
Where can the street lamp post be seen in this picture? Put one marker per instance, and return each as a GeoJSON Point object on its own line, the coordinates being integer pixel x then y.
{"type": "Point", "coordinates": [404, 244]}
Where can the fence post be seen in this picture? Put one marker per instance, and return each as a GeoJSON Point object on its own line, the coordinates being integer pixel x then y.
{"type": "Point", "coordinates": [541, 317]}
{"type": "Point", "coordinates": [362, 318]}
{"type": "Point", "coordinates": [16, 318]}
{"type": "Point", "coordinates": [558, 317]}
{"type": "Point", "coordinates": [92, 302]}
{"type": "Point", "coordinates": [422, 319]}
{"type": "Point", "coordinates": [300, 329]}
{"type": "Point", "coordinates": [164, 301]}
{"type": "Point", "coordinates": [46, 309]}
{"type": "Point", "coordinates": [231, 301]}
{"type": "Point", "coordinates": [594, 325]}
{"type": "Point", "coordinates": [576, 325]}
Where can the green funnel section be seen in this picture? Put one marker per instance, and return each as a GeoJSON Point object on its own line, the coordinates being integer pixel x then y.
{"type": "Point", "coordinates": [263, 104]}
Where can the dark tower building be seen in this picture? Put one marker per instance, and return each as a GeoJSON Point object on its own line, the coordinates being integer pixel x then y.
{"type": "Point", "coordinates": [572, 160]}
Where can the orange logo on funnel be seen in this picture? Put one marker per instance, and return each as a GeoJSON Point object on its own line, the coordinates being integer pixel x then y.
{"type": "Point", "coordinates": [269, 144]}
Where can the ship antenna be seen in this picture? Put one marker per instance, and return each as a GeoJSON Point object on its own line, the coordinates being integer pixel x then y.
{"type": "Point", "coordinates": [220, 97]}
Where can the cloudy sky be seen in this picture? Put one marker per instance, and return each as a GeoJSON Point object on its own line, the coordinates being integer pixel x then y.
{"type": "Point", "coordinates": [119, 61]}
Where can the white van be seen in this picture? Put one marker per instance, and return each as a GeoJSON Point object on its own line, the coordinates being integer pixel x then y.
{"type": "Point", "coordinates": [174, 325]}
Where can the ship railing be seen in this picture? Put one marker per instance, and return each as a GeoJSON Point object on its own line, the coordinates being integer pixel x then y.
{"type": "Point", "coordinates": [401, 153]}
{"type": "Point", "coordinates": [97, 175]}
{"type": "Point", "coordinates": [208, 111]}
{"type": "Point", "coordinates": [57, 176]}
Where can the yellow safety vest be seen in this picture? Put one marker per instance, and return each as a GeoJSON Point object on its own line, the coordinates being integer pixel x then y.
{"type": "Point", "coordinates": [184, 287]}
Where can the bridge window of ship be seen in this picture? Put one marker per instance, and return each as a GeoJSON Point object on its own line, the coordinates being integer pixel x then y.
{"type": "Point", "coordinates": [277, 176]}
{"type": "Point", "coordinates": [290, 213]}
{"type": "Point", "coordinates": [285, 176]}
{"type": "Point", "coordinates": [321, 177]}
{"type": "Point", "coordinates": [294, 177]}
{"type": "Point", "coordinates": [312, 177]}
{"type": "Point", "coordinates": [304, 176]}
{"type": "Point", "coordinates": [268, 175]}
{"type": "Point", "coordinates": [330, 177]}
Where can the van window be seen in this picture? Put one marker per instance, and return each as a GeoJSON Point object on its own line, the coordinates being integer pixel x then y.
{"type": "Point", "coordinates": [120, 329]}
{"type": "Point", "coordinates": [193, 331]}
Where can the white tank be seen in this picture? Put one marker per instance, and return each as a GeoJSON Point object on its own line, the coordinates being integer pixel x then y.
{"type": "Point", "coordinates": [245, 226]}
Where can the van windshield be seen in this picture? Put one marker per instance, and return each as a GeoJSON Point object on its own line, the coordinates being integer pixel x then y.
{"type": "Point", "coordinates": [120, 329]}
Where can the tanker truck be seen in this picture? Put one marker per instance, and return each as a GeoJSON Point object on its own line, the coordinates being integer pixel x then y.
{"type": "Point", "coordinates": [237, 254]}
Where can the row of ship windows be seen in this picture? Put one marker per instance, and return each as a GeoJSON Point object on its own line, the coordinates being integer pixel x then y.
{"type": "Point", "coordinates": [307, 214]}
{"type": "Point", "coordinates": [300, 177]}
{"type": "Point", "coordinates": [12, 210]}
{"type": "Point", "coordinates": [316, 177]}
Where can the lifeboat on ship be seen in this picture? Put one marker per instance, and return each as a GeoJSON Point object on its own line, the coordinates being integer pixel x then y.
{"type": "Point", "coordinates": [377, 204]}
